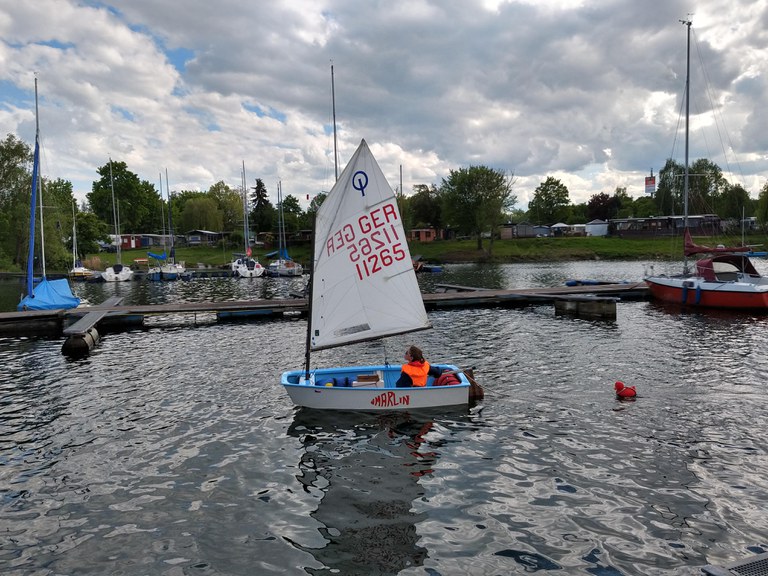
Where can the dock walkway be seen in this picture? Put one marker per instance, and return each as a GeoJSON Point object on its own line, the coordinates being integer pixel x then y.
{"type": "Point", "coordinates": [56, 322]}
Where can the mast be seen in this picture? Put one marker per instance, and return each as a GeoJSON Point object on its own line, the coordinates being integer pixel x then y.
{"type": "Point", "coordinates": [74, 236]}
{"type": "Point", "coordinates": [162, 209]}
{"type": "Point", "coordinates": [42, 227]}
{"type": "Point", "coordinates": [246, 229]}
{"type": "Point", "coordinates": [33, 204]}
{"type": "Point", "coordinates": [114, 213]}
{"type": "Point", "coordinates": [170, 219]}
{"type": "Point", "coordinates": [39, 179]}
{"type": "Point", "coordinates": [309, 296]}
{"type": "Point", "coordinates": [686, 23]}
{"type": "Point", "coordinates": [333, 104]}
{"type": "Point", "coordinates": [280, 222]}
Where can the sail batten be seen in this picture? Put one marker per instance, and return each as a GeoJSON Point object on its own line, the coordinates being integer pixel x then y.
{"type": "Point", "coordinates": [364, 284]}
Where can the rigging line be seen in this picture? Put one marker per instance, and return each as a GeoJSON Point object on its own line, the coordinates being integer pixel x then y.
{"type": "Point", "coordinates": [717, 114]}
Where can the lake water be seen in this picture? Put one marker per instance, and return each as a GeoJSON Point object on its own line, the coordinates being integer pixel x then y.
{"type": "Point", "coordinates": [173, 450]}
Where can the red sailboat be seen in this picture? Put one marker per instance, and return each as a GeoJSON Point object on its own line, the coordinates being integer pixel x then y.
{"type": "Point", "coordinates": [725, 277]}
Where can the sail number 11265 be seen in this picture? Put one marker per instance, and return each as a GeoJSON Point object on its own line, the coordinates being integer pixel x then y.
{"type": "Point", "coordinates": [374, 252]}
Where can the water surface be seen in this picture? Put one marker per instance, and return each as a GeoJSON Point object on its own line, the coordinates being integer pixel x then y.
{"type": "Point", "coordinates": [172, 450]}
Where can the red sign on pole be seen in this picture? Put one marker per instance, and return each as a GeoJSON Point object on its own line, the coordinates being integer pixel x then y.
{"type": "Point", "coordinates": [650, 184]}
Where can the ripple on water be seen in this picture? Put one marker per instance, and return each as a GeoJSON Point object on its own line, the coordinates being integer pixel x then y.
{"type": "Point", "coordinates": [172, 450]}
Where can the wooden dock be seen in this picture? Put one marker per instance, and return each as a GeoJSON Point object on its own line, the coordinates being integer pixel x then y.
{"type": "Point", "coordinates": [55, 322]}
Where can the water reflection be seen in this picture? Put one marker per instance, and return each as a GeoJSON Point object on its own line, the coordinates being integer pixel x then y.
{"type": "Point", "coordinates": [174, 451]}
{"type": "Point", "coordinates": [366, 472]}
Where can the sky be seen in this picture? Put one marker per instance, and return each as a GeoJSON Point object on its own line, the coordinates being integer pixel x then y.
{"type": "Point", "coordinates": [587, 92]}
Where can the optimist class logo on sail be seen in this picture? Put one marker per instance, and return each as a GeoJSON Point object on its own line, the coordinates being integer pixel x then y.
{"type": "Point", "coordinates": [372, 241]}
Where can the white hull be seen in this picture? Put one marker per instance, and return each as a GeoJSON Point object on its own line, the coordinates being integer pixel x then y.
{"type": "Point", "coordinates": [285, 268]}
{"type": "Point", "coordinates": [247, 269]}
{"type": "Point", "coordinates": [81, 273]}
{"type": "Point", "coordinates": [371, 397]}
{"type": "Point", "coordinates": [122, 274]}
{"type": "Point", "coordinates": [172, 271]}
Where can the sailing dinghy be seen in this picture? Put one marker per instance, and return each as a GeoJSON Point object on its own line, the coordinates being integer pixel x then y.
{"type": "Point", "coordinates": [363, 287]}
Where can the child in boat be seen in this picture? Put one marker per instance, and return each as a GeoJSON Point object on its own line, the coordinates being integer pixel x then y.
{"type": "Point", "coordinates": [416, 369]}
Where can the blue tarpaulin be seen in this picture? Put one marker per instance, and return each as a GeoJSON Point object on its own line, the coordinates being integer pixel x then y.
{"type": "Point", "coordinates": [50, 295]}
{"type": "Point", "coordinates": [283, 254]}
{"type": "Point", "coordinates": [157, 256]}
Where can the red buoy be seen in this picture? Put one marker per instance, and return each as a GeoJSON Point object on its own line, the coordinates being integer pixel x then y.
{"type": "Point", "coordinates": [624, 391]}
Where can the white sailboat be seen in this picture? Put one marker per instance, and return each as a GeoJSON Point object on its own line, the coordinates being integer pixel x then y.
{"type": "Point", "coordinates": [171, 269]}
{"type": "Point", "coordinates": [246, 266]}
{"type": "Point", "coordinates": [118, 272]}
{"type": "Point", "coordinates": [78, 271]}
{"type": "Point", "coordinates": [363, 287]}
{"type": "Point", "coordinates": [284, 265]}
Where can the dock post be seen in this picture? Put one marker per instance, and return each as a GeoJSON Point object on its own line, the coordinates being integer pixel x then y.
{"type": "Point", "coordinates": [79, 345]}
{"type": "Point", "coordinates": [587, 307]}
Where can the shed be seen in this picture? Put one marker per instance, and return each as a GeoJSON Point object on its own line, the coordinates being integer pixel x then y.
{"type": "Point", "coordinates": [199, 237]}
{"type": "Point", "coordinates": [525, 230]}
{"type": "Point", "coordinates": [423, 234]}
{"type": "Point", "coordinates": [597, 228]}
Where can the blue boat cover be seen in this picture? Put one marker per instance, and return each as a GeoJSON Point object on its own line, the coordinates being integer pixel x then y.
{"type": "Point", "coordinates": [50, 295]}
{"type": "Point", "coordinates": [283, 254]}
{"type": "Point", "coordinates": [156, 256]}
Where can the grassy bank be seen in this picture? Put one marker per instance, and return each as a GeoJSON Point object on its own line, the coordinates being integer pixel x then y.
{"type": "Point", "coordinates": [453, 251]}
{"type": "Point", "coordinates": [549, 249]}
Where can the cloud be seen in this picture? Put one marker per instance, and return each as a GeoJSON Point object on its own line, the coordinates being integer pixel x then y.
{"type": "Point", "coordinates": [587, 92]}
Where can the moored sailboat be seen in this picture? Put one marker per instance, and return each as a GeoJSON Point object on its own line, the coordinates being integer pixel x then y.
{"type": "Point", "coordinates": [45, 294]}
{"type": "Point", "coordinates": [363, 287]}
{"type": "Point", "coordinates": [117, 272]}
{"type": "Point", "coordinates": [284, 265]}
{"type": "Point", "coordinates": [78, 271]}
{"type": "Point", "coordinates": [725, 278]}
{"type": "Point", "coordinates": [171, 269]}
{"type": "Point", "coordinates": [245, 265]}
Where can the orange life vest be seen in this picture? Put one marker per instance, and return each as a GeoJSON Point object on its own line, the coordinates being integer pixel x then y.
{"type": "Point", "coordinates": [418, 372]}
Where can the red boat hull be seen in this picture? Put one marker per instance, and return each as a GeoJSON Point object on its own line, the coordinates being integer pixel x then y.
{"type": "Point", "coordinates": [719, 296]}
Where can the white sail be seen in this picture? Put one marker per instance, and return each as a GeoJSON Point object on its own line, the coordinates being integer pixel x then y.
{"type": "Point", "coordinates": [364, 286]}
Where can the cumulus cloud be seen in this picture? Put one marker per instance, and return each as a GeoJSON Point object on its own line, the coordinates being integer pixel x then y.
{"type": "Point", "coordinates": [590, 93]}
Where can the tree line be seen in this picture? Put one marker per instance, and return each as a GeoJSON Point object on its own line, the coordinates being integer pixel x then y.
{"type": "Point", "coordinates": [471, 202]}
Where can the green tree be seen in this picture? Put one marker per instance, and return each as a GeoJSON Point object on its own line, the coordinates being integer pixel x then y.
{"type": "Point", "coordinates": [669, 193]}
{"type": "Point", "coordinates": [291, 214]}
{"type": "Point", "coordinates": [576, 214]}
{"type": "Point", "coordinates": [200, 214]}
{"type": "Point", "coordinates": [550, 202]}
{"type": "Point", "coordinates": [316, 202]}
{"type": "Point", "coordinates": [307, 218]}
{"type": "Point", "coordinates": [761, 211]}
{"type": "Point", "coordinates": [229, 202]}
{"type": "Point", "coordinates": [262, 212]}
{"type": "Point", "coordinates": [600, 206]}
{"type": "Point", "coordinates": [136, 201]}
{"type": "Point", "coordinates": [15, 190]}
{"type": "Point", "coordinates": [733, 202]}
{"type": "Point", "coordinates": [643, 207]}
{"type": "Point", "coordinates": [424, 207]}
{"type": "Point", "coordinates": [90, 229]}
{"type": "Point", "coordinates": [58, 199]}
{"type": "Point", "coordinates": [622, 202]}
{"type": "Point", "coordinates": [474, 200]}
{"type": "Point", "coordinates": [706, 186]}
{"type": "Point", "coordinates": [404, 207]}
